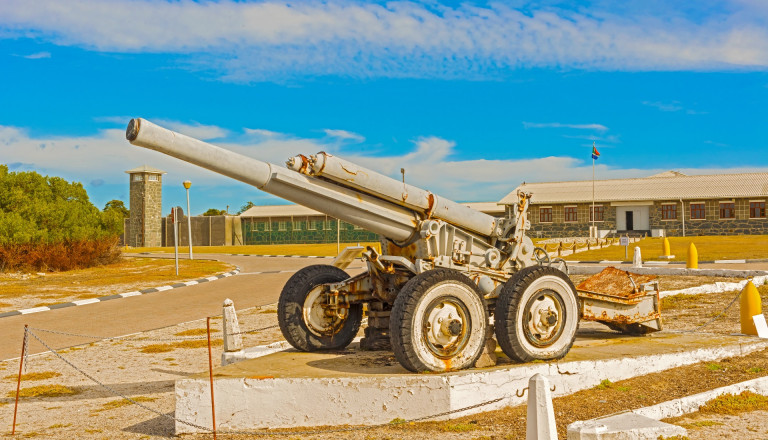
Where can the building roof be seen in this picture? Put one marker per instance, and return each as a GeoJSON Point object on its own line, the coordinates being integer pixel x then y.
{"type": "Point", "coordinates": [145, 169]}
{"type": "Point", "coordinates": [670, 185]}
{"type": "Point", "coordinates": [491, 208]}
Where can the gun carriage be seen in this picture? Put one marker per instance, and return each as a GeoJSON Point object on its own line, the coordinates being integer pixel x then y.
{"type": "Point", "coordinates": [447, 279]}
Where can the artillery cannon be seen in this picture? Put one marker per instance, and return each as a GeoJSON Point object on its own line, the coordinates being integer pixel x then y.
{"type": "Point", "coordinates": [446, 275]}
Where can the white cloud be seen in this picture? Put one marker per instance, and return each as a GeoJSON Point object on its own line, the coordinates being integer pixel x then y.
{"type": "Point", "coordinates": [344, 134]}
{"type": "Point", "coordinates": [673, 106]}
{"type": "Point", "coordinates": [260, 132]}
{"type": "Point", "coordinates": [596, 127]}
{"type": "Point", "coordinates": [274, 40]}
{"type": "Point", "coordinates": [37, 56]}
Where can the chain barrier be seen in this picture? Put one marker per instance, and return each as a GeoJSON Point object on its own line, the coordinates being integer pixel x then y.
{"type": "Point", "coordinates": [205, 430]}
{"type": "Point", "coordinates": [141, 339]}
{"type": "Point", "coordinates": [716, 317]}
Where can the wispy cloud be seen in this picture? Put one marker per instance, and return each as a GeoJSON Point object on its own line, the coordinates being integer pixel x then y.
{"type": "Point", "coordinates": [269, 39]}
{"type": "Point", "coordinates": [194, 129]}
{"type": "Point", "coordinates": [595, 127]}
{"type": "Point", "coordinates": [672, 106]}
{"type": "Point", "coordinates": [344, 134]}
{"type": "Point", "coordinates": [37, 56]}
{"type": "Point", "coordinates": [260, 132]}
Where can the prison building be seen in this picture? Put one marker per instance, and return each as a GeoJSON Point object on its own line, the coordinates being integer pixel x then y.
{"type": "Point", "coordinates": [669, 203]}
{"type": "Point", "coordinates": [290, 224]}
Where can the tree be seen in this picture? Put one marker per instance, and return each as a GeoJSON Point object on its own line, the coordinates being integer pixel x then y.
{"type": "Point", "coordinates": [118, 206]}
{"type": "Point", "coordinates": [246, 207]}
{"type": "Point", "coordinates": [214, 211]}
{"type": "Point", "coordinates": [44, 209]}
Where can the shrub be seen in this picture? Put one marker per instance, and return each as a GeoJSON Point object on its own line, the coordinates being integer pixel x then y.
{"type": "Point", "coordinates": [47, 223]}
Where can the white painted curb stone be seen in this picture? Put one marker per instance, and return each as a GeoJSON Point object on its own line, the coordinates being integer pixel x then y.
{"type": "Point", "coordinates": [626, 426]}
{"type": "Point", "coordinates": [233, 340]}
{"type": "Point", "coordinates": [637, 260]}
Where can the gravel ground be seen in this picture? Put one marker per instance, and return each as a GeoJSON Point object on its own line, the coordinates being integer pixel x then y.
{"type": "Point", "coordinates": [91, 413]}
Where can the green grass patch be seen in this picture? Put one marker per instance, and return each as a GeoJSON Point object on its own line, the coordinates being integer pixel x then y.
{"type": "Point", "coordinates": [604, 385]}
{"type": "Point", "coordinates": [59, 425]}
{"type": "Point", "coordinates": [41, 375]}
{"type": "Point", "coordinates": [681, 301]}
{"type": "Point", "coordinates": [755, 370]}
{"type": "Point", "coordinates": [701, 424]}
{"type": "Point", "coordinates": [714, 367]}
{"type": "Point", "coordinates": [44, 391]}
{"type": "Point", "coordinates": [164, 348]}
{"type": "Point", "coordinates": [731, 404]}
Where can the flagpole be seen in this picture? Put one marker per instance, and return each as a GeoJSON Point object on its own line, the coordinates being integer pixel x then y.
{"type": "Point", "coordinates": [593, 191]}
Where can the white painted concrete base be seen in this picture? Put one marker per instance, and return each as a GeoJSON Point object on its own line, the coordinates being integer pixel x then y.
{"type": "Point", "coordinates": [252, 353]}
{"type": "Point", "coordinates": [627, 426]}
{"type": "Point", "coordinates": [253, 402]}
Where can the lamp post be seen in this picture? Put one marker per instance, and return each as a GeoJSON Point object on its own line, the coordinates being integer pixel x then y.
{"type": "Point", "coordinates": [187, 184]}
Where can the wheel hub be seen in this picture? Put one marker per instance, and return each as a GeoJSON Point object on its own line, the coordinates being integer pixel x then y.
{"type": "Point", "coordinates": [316, 317]}
{"type": "Point", "coordinates": [445, 327]}
{"type": "Point", "coordinates": [544, 324]}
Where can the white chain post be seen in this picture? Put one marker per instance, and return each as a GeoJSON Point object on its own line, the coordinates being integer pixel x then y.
{"type": "Point", "coordinates": [233, 339]}
{"type": "Point", "coordinates": [540, 424]}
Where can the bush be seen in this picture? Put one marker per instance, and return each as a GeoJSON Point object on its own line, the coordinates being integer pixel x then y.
{"type": "Point", "coordinates": [47, 223]}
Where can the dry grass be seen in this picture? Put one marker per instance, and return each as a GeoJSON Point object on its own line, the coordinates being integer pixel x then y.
{"type": "Point", "coordinates": [193, 332]}
{"type": "Point", "coordinates": [708, 247]}
{"type": "Point", "coordinates": [119, 403]}
{"type": "Point", "coordinates": [320, 249]}
{"type": "Point", "coordinates": [131, 273]}
{"type": "Point", "coordinates": [165, 348]}
{"type": "Point", "coordinates": [731, 404]}
{"type": "Point", "coordinates": [42, 375]}
{"type": "Point", "coordinates": [44, 391]}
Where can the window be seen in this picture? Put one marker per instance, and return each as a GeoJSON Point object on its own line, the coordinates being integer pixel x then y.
{"type": "Point", "coordinates": [598, 213]}
{"type": "Point", "coordinates": [311, 225]}
{"type": "Point", "coordinates": [697, 211]}
{"type": "Point", "coordinates": [138, 177]}
{"type": "Point", "coordinates": [545, 215]}
{"type": "Point", "coordinates": [727, 210]}
{"type": "Point", "coordinates": [756, 209]}
{"type": "Point", "coordinates": [154, 177]}
{"type": "Point", "coordinates": [296, 225]}
{"type": "Point", "coordinates": [669, 211]}
{"type": "Point", "coordinates": [282, 226]}
{"type": "Point", "coordinates": [328, 224]}
{"type": "Point", "coordinates": [263, 226]}
{"type": "Point", "coordinates": [570, 214]}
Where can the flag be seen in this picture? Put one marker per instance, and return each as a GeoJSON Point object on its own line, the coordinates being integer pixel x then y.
{"type": "Point", "coordinates": [595, 153]}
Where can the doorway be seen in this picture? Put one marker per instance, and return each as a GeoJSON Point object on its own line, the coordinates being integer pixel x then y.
{"type": "Point", "coordinates": [630, 220]}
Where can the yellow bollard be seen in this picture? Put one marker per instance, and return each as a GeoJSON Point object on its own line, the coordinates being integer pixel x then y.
{"type": "Point", "coordinates": [750, 306]}
{"type": "Point", "coordinates": [693, 257]}
{"type": "Point", "coordinates": [665, 248]}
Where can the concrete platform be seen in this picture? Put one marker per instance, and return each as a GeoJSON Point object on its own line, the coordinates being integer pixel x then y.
{"type": "Point", "coordinates": [293, 389]}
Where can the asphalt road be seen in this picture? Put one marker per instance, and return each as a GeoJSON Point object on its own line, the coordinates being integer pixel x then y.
{"type": "Point", "coordinates": [156, 310]}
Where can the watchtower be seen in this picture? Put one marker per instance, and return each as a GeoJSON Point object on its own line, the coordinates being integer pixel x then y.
{"type": "Point", "coordinates": [146, 201]}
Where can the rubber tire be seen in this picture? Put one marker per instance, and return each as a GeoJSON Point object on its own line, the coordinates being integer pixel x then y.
{"type": "Point", "coordinates": [508, 315]}
{"type": "Point", "coordinates": [290, 307]}
{"type": "Point", "coordinates": [402, 324]}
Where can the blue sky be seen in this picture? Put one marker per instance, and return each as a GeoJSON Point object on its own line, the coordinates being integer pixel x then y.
{"type": "Point", "coordinates": [471, 98]}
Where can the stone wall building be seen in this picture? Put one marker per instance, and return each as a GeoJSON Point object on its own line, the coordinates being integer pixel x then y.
{"type": "Point", "coordinates": [144, 226]}
{"type": "Point", "coordinates": [669, 203]}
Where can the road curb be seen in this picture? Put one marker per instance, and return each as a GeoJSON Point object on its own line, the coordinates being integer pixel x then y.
{"type": "Point", "coordinates": [664, 263]}
{"type": "Point", "coordinates": [83, 302]}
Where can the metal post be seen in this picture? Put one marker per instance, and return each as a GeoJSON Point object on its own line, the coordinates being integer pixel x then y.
{"type": "Point", "coordinates": [338, 236]}
{"type": "Point", "coordinates": [187, 184]}
{"type": "Point", "coordinates": [18, 383]}
{"type": "Point", "coordinates": [176, 237]}
{"type": "Point", "coordinates": [210, 375]}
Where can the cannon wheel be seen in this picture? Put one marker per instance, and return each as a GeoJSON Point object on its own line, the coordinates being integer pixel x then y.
{"type": "Point", "coordinates": [303, 321]}
{"type": "Point", "coordinates": [438, 322]}
{"type": "Point", "coordinates": [537, 315]}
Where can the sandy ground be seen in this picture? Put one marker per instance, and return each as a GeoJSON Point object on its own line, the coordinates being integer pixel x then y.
{"type": "Point", "coordinates": [150, 377]}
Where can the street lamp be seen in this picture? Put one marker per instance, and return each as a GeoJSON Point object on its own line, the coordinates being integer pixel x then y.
{"type": "Point", "coordinates": [187, 184]}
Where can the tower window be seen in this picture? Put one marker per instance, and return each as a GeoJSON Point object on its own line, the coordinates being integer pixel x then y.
{"type": "Point", "coordinates": [137, 178]}
{"type": "Point", "coordinates": [153, 177]}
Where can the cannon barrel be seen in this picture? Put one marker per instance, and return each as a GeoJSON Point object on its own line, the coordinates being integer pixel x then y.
{"type": "Point", "coordinates": [370, 200]}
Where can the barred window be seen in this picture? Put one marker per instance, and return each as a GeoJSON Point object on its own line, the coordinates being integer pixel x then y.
{"type": "Point", "coordinates": [296, 225]}
{"type": "Point", "coordinates": [282, 226]}
{"type": "Point", "coordinates": [669, 212]}
{"type": "Point", "coordinates": [598, 213]}
{"type": "Point", "coordinates": [697, 211]}
{"type": "Point", "coordinates": [154, 177]}
{"type": "Point", "coordinates": [756, 209]}
{"type": "Point", "coordinates": [570, 214]}
{"type": "Point", "coordinates": [545, 215]}
{"type": "Point", "coordinates": [311, 225]}
{"type": "Point", "coordinates": [727, 210]}
{"type": "Point", "coordinates": [328, 225]}
{"type": "Point", "coordinates": [263, 226]}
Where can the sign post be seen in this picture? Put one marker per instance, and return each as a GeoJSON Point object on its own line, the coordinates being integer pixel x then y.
{"type": "Point", "coordinates": [624, 241]}
{"type": "Point", "coordinates": [176, 212]}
